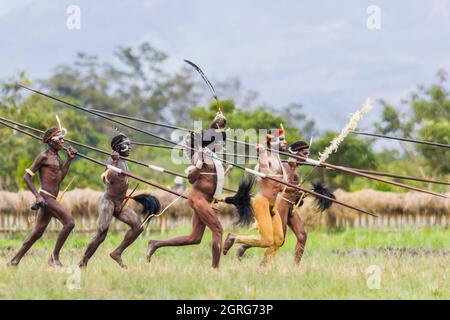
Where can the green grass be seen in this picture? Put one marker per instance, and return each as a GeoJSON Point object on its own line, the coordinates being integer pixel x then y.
{"type": "Point", "coordinates": [185, 273]}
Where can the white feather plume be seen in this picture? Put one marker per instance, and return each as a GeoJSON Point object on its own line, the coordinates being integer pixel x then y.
{"type": "Point", "coordinates": [351, 125]}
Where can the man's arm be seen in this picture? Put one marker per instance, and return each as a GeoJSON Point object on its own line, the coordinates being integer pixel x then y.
{"type": "Point", "coordinates": [291, 169]}
{"type": "Point", "coordinates": [113, 160]}
{"type": "Point", "coordinates": [197, 161]}
{"type": "Point", "coordinates": [30, 172]}
{"type": "Point", "coordinates": [71, 152]}
{"type": "Point", "coordinates": [263, 159]}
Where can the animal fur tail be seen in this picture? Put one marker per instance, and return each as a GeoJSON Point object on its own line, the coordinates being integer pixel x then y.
{"type": "Point", "coordinates": [150, 203]}
{"type": "Point", "coordinates": [242, 200]}
{"type": "Point", "coordinates": [322, 204]}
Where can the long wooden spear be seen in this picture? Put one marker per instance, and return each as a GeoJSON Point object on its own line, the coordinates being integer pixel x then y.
{"type": "Point", "coordinates": [115, 169]}
{"type": "Point", "coordinates": [428, 143]}
{"type": "Point", "coordinates": [116, 115]}
{"type": "Point", "coordinates": [225, 161]}
{"type": "Point", "coordinates": [314, 162]}
{"type": "Point", "coordinates": [372, 172]}
{"type": "Point", "coordinates": [129, 174]}
{"type": "Point", "coordinates": [383, 174]}
{"type": "Point", "coordinates": [151, 166]}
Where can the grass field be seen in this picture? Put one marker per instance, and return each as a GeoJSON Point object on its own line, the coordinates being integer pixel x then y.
{"type": "Point", "coordinates": [413, 264]}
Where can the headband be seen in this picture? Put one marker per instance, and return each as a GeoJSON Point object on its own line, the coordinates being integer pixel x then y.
{"type": "Point", "coordinates": [54, 133]}
{"type": "Point", "coordinates": [297, 146]}
{"type": "Point", "coordinates": [273, 138]}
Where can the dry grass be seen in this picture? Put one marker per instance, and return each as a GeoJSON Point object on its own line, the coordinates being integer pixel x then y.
{"type": "Point", "coordinates": [393, 208]}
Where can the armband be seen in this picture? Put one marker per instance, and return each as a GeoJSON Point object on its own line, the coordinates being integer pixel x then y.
{"type": "Point", "coordinates": [199, 164]}
{"type": "Point", "coordinates": [31, 173]}
{"type": "Point", "coordinates": [115, 169]}
{"type": "Point", "coordinates": [104, 177]}
{"type": "Point", "coordinates": [189, 170]}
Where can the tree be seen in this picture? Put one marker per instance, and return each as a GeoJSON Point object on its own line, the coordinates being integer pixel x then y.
{"type": "Point", "coordinates": [38, 112]}
{"type": "Point", "coordinates": [352, 152]}
{"type": "Point", "coordinates": [135, 85]}
{"type": "Point", "coordinates": [427, 117]}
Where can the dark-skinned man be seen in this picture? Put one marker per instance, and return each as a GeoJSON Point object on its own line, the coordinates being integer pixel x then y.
{"type": "Point", "coordinates": [52, 171]}
{"type": "Point", "coordinates": [112, 203]}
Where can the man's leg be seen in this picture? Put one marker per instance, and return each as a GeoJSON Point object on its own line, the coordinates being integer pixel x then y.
{"type": "Point", "coordinates": [68, 224]}
{"type": "Point", "coordinates": [284, 209]}
{"type": "Point", "coordinates": [198, 228]}
{"type": "Point", "coordinates": [261, 210]}
{"type": "Point", "coordinates": [98, 239]}
{"type": "Point", "coordinates": [128, 216]}
{"type": "Point", "coordinates": [208, 216]}
{"type": "Point", "coordinates": [105, 213]}
{"type": "Point", "coordinates": [42, 220]}
{"type": "Point", "coordinates": [296, 225]}
{"type": "Point", "coordinates": [278, 238]}
{"type": "Point", "coordinates": [241, 250]}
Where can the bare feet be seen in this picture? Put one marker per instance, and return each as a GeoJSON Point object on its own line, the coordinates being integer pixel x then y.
{"type": "Point", "coordinates": [241, 250]}
{"type": "Point", "coordinates": [229, 241]}
{"type": "Point", "coordinates": [151, 249]}
{"type": "Point", "coordinates": [118, 258]}
{"type": "Point", "coordinates": [54, 262]}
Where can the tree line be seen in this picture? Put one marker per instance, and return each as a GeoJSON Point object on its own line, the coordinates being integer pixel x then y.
{"type": "Point", "coordinates": [136, 83]}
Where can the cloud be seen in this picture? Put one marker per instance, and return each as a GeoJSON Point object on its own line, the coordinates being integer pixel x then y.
{"type": "Point", "coordinates": [440, 9]}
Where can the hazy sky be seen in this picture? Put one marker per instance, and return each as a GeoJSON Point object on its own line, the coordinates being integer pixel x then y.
{"type": "Point", "coordinates": [318, 53]}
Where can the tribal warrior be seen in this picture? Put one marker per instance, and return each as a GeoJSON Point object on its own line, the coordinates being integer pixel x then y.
{"type": "Point", "coordinates": [206, 174]}
{"type": "Point", "coordinates": [52, 172]}
{"type": "Point", "coordinates": [112, 203]}
{"type": "Point", "coordinates": [265, 203]}
{"type": "Point", "coordinates": [289, 199]}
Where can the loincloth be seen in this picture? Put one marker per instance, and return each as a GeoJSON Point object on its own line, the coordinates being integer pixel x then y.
{"type": "Point", "coordinates": [46, 193]}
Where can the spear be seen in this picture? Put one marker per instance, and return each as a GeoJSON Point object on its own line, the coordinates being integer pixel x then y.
{"type": "Point", "coordinates": [384, 174]}
{"type": "Point", "coordinates": [314, 162]}
{"type": "Point", "coordinates": [128, 198]}
{"type": "Point", "coordinates": [138, 178]}
{"type": "Point", "coordinates": [225, 161]}
{"type": "Point", "coordinates": [61, 196]}
{"type": "Point", "coordinates": [428, 143]}
{"type": "Point", "coordinates": [348, 170]}
{"type": "Point", "coordinates": [151, 166]}
{"type": "Point", "coordinates": [372, 172]}
{"type": "Point", "coordinates": [153, 145]}
{"type": "Point", "coordinates": [173, 192]}
{"type": "Point", "coordinates": [116, 115]}
{"type": "Point", "coordinates": [115, 169]}
{"type": "Point", "coordinates": [334, 145]}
